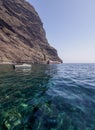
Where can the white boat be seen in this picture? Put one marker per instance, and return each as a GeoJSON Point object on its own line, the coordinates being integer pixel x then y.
{"type": "Point", "coordinates": [25, 66]}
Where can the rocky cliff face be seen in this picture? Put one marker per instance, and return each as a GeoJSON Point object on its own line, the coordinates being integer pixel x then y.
{"type": "Point", "coordinates": [22, 37]}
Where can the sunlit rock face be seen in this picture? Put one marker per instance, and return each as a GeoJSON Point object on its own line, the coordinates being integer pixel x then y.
{"type": "Point", "coordinates": [22, 37]}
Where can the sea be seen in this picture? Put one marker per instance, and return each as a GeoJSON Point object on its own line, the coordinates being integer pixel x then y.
{"type": "Point", "coordinates": [48, 97]}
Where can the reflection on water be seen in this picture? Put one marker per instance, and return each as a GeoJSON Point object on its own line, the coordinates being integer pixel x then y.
{"type": "Point", "coordinates": [48, 97]}
{"type": "Point", "coordinates": [22, 94]}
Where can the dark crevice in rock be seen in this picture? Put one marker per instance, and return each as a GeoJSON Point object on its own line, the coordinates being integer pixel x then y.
{"type": "Point", "coordinates": [4, 24]}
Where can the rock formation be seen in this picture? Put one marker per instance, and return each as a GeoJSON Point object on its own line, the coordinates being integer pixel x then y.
{"type": "Point", "coordinates": [22, 37]}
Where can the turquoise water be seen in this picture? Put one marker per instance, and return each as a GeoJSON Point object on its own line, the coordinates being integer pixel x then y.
{"type": "Point", "coordinates": [48, 97]}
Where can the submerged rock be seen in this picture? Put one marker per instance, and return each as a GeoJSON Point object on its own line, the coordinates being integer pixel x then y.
{"type": "Point", "coordinates": [11, 120]}
{"type": "Point", "coordinates": [22, 37]}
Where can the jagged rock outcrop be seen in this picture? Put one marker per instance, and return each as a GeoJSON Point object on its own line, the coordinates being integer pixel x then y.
{"type": "Point", "coordinates": [22, 37]}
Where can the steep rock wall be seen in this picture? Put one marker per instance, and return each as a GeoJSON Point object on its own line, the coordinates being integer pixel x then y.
{"type": "Point", "coordinates": [22, 37]}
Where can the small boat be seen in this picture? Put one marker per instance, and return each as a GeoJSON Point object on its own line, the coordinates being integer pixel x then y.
{"type": "Point", "coordinates": [53, 62]}
{"type": "Point", "coordinates": [23, 66]}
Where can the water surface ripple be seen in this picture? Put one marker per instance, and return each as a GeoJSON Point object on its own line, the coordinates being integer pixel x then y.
{"type": "Point", "coordinates": [48, 97]}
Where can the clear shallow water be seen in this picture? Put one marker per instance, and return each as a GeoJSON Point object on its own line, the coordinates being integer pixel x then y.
{"type": "Point", "coordinates": [48, 97]}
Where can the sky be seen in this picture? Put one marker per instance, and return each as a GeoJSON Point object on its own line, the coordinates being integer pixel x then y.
{"type": "Point", "coordinates": [70, 28]}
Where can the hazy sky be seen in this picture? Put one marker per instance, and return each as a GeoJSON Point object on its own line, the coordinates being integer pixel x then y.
{"type": "Point", "coordinates": [70, 27]}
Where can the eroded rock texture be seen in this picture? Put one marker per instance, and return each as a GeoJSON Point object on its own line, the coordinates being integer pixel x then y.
{"type": "Point", "coordinates": [22, 37]}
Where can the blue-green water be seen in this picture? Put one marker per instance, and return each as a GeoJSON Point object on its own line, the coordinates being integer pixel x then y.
{"type": "Point", "coordinates": [48, 97]}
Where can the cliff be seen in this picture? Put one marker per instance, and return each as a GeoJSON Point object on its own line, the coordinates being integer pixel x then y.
{"type": "Point", "coordinates": [22, 37]}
